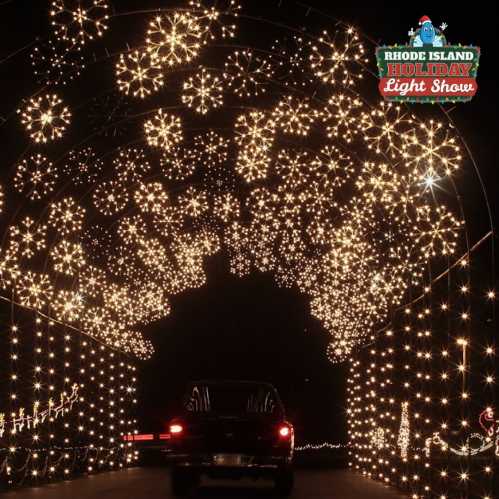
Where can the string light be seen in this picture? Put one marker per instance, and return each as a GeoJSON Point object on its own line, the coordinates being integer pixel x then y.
{"type": "Point", "coordinates": [370, 385]}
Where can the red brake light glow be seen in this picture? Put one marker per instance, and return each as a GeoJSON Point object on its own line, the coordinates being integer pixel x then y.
{"type": "Point", "coordinates": [176, 429]}
{"type": "Point", "coordinates": [284, 431]}
{"type": "Point", "coordinates": [139, 437]}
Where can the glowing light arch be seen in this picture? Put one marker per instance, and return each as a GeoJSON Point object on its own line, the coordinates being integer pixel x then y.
{"type": "Point", "coordinates": [171, 230]}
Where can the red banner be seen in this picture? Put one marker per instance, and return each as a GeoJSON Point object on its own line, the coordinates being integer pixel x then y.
{"type": "Point", "coordinates": [423, 87]}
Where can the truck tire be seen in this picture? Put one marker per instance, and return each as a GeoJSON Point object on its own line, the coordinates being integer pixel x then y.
{"type": "Point", "coordinates": [283, 482]}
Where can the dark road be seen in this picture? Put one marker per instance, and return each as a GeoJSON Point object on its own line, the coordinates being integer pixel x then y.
{"type": "Point", "coordinates": [153, 483]}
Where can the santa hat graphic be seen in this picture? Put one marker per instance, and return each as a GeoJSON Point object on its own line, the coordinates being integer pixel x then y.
{"type": "Point", "coordinates": [423, 20]}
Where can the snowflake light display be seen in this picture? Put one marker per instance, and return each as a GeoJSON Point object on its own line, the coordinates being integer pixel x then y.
{"type": "Point", "coordinates": [210, 149]}
{"type": "Point", "coordinates": [27, 238]}
{"type": "Point", "coordinates": [45, 118]}
{"type": "Point", "coordinates": [163, 130]}
{"type": "Point", "coordinates": [83, 166]}
{"type": "Point", "coordinates": [139, 74]}
{"type": "Point", "coordinates": [294, 116]}
{"type": "Point", "coordinates": [174, 39]}
{"type": "Point", "coordinates": [78, 21]}
{"type": "Point", "coordinates": [247, 74]}
{"type": "Point", "coordinates": [202, 92]}
{"type": "Point", "coordinates": [338, 59]}
{"type": "Point", "coordinates": [57, 63]}
{"type": "Point", "coordinates": [36, 176]}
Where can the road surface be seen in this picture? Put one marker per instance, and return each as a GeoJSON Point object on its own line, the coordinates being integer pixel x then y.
{"type": "Point", "coordinates": [153, 483]}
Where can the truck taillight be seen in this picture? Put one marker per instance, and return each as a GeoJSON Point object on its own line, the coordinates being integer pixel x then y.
{"type": "Point", "coordinates": [176, 429]}
{"type": "Point", "coordinates": [284, 431]}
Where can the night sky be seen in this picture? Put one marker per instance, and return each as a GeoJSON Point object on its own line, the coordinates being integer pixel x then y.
{"type": "Point", "coordinates": [248, 328]}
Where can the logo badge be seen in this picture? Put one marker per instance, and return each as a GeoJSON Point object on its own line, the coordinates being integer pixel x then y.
{"type": "Point", "coordinates": [428, 69]}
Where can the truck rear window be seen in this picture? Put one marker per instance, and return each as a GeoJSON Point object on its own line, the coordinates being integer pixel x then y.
{"type": "Point", "coordinates": [232, 399]}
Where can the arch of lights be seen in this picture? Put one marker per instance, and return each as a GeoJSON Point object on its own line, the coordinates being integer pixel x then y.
{"type": "Point", "coordinates": [141, 160]}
